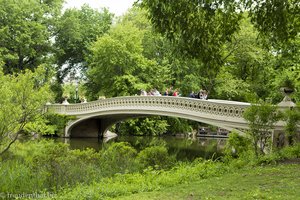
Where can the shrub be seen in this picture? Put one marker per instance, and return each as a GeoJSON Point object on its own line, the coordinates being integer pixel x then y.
{"type": "Point", "coordinates": [292, 120]}
{"type": "Point", "coordinates": [154, 156]}
{"type": "Point", "coordinates": [46, 165]}
{"type": "Point", "coordinates": [118, 158]}
{"type": "Point", "coordinates": [261, 118]}
{"type": "Point", "coordinates": [236, 144]}
{"type": "Point", "coordinates": [290, 152]}
{"type": "Point", "coordinates": [178, 125]}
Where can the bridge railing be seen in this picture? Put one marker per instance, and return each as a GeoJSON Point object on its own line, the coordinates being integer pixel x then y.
{"type": "Point", "coordinates": [216, 107]}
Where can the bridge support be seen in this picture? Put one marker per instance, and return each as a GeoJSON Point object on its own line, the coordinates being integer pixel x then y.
{"type": "Point", "coordinates": [90, 128]}
{"type": "Point", "coordinates": [278, 139]}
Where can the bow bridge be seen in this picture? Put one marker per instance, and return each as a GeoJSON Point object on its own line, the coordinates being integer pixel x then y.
{"type": "Point", "coordinates": [94, 118]}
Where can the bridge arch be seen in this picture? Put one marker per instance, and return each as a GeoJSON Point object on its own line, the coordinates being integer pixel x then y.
{"type": "Point", "coordinates": [102, 114]}
{"type": "Point", "coordinates": [96, 125]}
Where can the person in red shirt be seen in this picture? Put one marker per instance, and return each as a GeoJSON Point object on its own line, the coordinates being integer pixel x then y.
{"type": "Point", "coordinates": [175, 93]}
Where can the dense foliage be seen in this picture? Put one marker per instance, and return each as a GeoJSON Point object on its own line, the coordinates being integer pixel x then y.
{"type": "Point", "coordinates": [26, 29]}
{"type": "Point", "coordinates": [261, 119]}
{"type": "Point", "coordinates": [54, 165]}
{"type": "Point", "coordinates": [76, 29]}
{"type": "Point", "coordinates": [146, 126]}
{"type": "Point", "coordinates": [237, 51]}
{"type": "Point", "coordinates": [45, 167]}
{"type": "Point", "coordinates": [22, 101]}
{"type": "Point", "coordinates": [292, 120]}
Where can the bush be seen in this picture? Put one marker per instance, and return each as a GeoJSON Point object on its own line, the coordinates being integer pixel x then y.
{"type": "Point", "coordinates": [290, 152]}
{"type": "Point", "coordinates": [150, 180]}
{"type": "Point", "coordinates": [261, 118]}
{"type": "Point", "coordinates": [46, 165]}
{"type": "Point", "coordinates": [178, 125]}
{"type": "Point", "coordinates": [118, 158]}
{"type": "Point", "coordinates": [236, 144]}
{"type": "Point", "coordinates": [155, 156]}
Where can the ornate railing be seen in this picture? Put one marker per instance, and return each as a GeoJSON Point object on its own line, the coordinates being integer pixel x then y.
{"type": "Point", "coordinates": [214, 107]}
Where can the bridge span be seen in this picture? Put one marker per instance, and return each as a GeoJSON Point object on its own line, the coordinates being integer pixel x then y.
{"type": "Point", "coordinates": [94, 118]}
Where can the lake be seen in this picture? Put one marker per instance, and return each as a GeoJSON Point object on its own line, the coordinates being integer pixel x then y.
{"type": "Point", "coordinates": [183, 148]}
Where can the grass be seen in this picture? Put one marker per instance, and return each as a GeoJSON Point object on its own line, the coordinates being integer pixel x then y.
{"type": "Point", "coordinates": [270, 182]}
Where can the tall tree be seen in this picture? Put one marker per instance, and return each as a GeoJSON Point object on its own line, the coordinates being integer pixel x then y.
{"type": "Point", "coordinates": [201, 23]}
{"type": "Point", "coordinates": [278, 20]}
{"type": "Point", "coordinates": [119, 64]}
{"type": "Point", "coordinates": [248, 69]}
{"type": "Point", "coordinates": [201, 30]}
{"type": "Point", "coordinates": [75, 31]}
{"type": "Point", "coordinates": [198, 28]}
{"type": "Point", "coordinates": [116, 62]}
{"type": "Point", "coordinates": [25, 30]}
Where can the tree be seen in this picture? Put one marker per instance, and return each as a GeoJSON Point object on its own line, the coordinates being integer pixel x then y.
{"type": "Point", "coordinates": [117, 65]}
{"type": "Point", "coordinates": [230, 87]}
{"type": "Point", "coordinates": [261, 119]}
{"type": "Point", "coordinates": [115, 61]}
{"type": "Point", "coordinates": [249, 69]}
{"type": "Point", "coordinates": [151, 126]}
{"type": "Point", "coordinates": [193, 21]}
{"type": "Point", "coordinates": [22, 99]}
{"type": "Point", "coordinates": [26, 27]}
{"type": "Point", "coordinates": [288, 69]}
{"type": "Point", "coordinates": [203, 29]}
{"type": "Point", "coordinates": [75, 31]}
{"type": "Point", "coordinates": [277, 20]}
{"type": "Point", "coordinates": [198, 28]}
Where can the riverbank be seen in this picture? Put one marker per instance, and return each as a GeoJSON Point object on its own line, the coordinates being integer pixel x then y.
{"type": "Point", "coordinates": [201, 179]}
{"type": "Point", "coordinates": [120, 171]}
{"type": "Point", "coordinates": [268, 182]}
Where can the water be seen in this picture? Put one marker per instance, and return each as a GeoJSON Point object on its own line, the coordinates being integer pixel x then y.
{"type": "Point", "coordinates": [184, 149]}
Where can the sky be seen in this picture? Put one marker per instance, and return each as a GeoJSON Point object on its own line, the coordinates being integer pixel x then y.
{"type": "Point", "coordinates": [118, 7]}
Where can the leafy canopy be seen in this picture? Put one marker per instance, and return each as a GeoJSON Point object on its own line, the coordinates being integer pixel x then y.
{"type": "Point", "coordinates": [75, 31]}
{"type": "Point", "coordinates": [26, 27]}
{"type": "Point", "coordinates": [118, 64]}
{"type": "Point", "coordinates": [199, 28]}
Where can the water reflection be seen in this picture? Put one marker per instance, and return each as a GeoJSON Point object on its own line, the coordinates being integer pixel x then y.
{"type": "Point", "coordinates": [183, 148]}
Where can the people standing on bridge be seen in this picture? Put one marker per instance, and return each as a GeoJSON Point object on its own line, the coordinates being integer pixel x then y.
{"type": "Point", "coordinates": [171, 91]}
{"type": "Point", "coordinates": [192, 95]}
{"type": "Point", "coordinates": [199, 94]}
{"type": "Point", "coordinates": [202, 94]}
{"type": "Point", "coordinates": [83, 100]}
{"type": "Point", "coordinates": [175, 93]}
{"type": "Point", "coordinates": [143, 93]}
{"type": "Point", "coordinates": [166, 93]}
{"type": "Point", "coordinates": [156, 92]}
{"type": "Point", "coordinates": [205, 94]}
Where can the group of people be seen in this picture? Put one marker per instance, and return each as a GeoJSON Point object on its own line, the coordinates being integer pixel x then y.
{"type": "Point", "coordinates": [202, 94]}
{"type": "Point", "coordinates": [155, 92]}
{"type": "Point", "coordinates": [171, 92]}
{"type": "Point", "coordinates": [152, 92]}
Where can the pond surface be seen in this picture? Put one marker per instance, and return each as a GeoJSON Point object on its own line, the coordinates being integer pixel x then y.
{"type": "Point", "coordinates": [184, 149]}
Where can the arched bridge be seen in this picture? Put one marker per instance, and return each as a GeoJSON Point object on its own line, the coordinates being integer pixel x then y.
{"type": "Point", "coordinates": [94, 118]}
